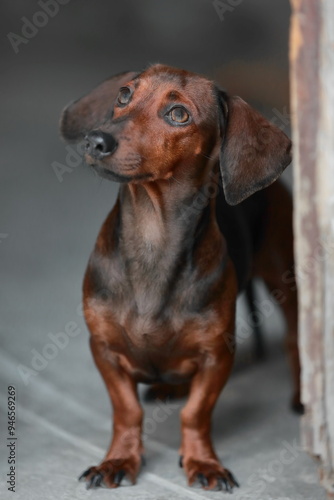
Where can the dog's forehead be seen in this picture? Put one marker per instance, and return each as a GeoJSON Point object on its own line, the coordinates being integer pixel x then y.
{"type": "Point", "coordinates": [165, 79]}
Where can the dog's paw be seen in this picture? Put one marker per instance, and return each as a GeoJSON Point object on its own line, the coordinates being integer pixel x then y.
{"type": "Point", "coordinates": [210, 475]}
{"type": "Point", "coordinates": [296, 405]}
{"type": "Point", "coordinates": [111, 473]}
{"type": "Point", "coordinates": [298, 408]}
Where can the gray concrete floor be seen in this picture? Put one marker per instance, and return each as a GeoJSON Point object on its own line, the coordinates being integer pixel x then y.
{"type": "Point", "coordinates": [64, 426]}
{"type": "Point", "coordinates": [47, 229]}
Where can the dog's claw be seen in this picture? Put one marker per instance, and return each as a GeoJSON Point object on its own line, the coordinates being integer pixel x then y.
{"type": "Point", "coordinates": [224, 485]}
{"type": "Point", "coordinates": [181, 461]}
{"type": "Point", "coordinates": [210, 476]}
{"type": "Point", "coordinates": [119, 476]}
{"type": "Point", "coordinates": [84, 474]}
{"type": "Point", "coordinates": [221, 484]}
{"type": "Point", "coordinates": [111, 473]}
{"type": "Point", "coordinates": [202, 479]}
{"type": "Point", "coordinates": [233, 481]}
{"type": "Point", "coordinates": [95, 481]}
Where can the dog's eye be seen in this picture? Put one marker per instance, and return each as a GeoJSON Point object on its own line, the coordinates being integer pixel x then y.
{"type": "Point", "coordinates": [179, 115]}
{"type": "Point", "coordinates": [124, 96]}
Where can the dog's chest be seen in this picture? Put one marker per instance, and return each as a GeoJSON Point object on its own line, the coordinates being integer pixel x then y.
{"type": "Point", "coordinates": [166, 348]}
{"type": "Point", "coordinates": [144, 286]}
{"type": "Point", "coordinates": [150, 261]}
{"type": "Point", "coordinates": [146, 290]}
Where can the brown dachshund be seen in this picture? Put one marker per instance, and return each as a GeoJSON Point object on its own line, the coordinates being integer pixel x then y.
{"type": "Point", "coordinates": [161, 285]}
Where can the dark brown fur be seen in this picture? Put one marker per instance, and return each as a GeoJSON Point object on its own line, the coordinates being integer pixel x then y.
{"type": "Point", "coordinates": [161, 284]}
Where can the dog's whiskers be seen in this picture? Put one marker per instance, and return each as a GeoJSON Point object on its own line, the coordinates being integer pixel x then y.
{"type": "Point", "coordinates": [176, 180]}
{"type": "Point", "coordinates": [207, 156]}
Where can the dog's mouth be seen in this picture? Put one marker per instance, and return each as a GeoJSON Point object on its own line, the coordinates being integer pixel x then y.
{"type": "Point", "coordinates": [115, 176]}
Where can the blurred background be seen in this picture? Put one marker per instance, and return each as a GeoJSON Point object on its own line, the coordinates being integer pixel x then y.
{"type": "Point", "coordinates": [52, 207]}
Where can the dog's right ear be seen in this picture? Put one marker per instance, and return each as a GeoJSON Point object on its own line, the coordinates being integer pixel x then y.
{"type": "Point", "coordinates": [87, 113]}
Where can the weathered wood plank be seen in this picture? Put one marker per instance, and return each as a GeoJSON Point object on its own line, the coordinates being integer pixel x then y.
{"type": "Point", "coordinates": [312, 100]}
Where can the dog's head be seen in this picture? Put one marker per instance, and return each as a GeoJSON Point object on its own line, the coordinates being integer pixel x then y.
{"type": "Point", "coordinates": [162, 122]}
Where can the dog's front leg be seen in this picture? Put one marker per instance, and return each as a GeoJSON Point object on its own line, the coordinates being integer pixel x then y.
{"type": "Point", "coordinates": [197, 453]}
{"type": "Point", "coordinates": [125, 452]}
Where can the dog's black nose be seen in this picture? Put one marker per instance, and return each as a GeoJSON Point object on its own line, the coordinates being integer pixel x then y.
{"type": "Point", "coordinates": [100, 144]}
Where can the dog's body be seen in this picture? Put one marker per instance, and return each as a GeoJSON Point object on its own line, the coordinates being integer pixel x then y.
{"type": "Point", "coordinates": [161, 284]}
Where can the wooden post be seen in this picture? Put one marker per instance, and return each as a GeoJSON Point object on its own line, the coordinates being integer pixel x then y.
{"type": "Point", "coordinates": [312, 103]}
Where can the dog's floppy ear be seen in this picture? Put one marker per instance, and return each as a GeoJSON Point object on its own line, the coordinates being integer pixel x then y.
{"type": "Point", "coordinates": [85, 114]}
{"type": "Point", "coordinates": [253, 153]}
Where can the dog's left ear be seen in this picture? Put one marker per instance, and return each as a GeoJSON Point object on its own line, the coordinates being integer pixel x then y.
{"type": "Point", "coordinates": [253, 152]}
{"type": "Point", "coordinates": [91, 110]}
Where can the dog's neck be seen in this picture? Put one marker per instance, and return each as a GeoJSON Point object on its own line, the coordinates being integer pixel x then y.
{"type": "Point", "coordinates": [157, 215]}
{"type": "Point", "coordinates": [159, 225]}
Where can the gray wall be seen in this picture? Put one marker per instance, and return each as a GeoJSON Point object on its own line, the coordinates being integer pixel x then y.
{"type": "Point", "coordinates": [48, 227]}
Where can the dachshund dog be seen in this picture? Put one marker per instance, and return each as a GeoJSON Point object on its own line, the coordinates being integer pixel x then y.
{"type": "Point", "coordinates": [190, 228]}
